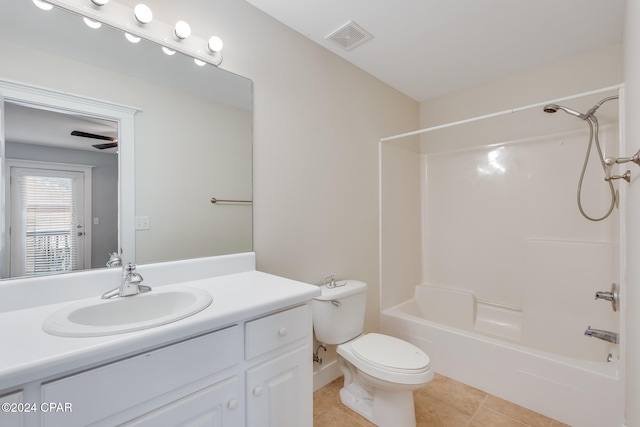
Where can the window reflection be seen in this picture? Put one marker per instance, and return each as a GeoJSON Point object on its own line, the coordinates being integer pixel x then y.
{"type": "Point", "coordinates": [494, 163]}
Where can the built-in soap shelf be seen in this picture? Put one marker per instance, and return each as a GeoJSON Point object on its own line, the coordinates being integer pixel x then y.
{"type": "Point", "coordinates": [498, 319]}
{"type": "Point", "coordinates": [460, 308]}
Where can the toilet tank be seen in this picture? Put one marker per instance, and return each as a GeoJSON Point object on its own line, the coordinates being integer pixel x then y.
{"type": "Point", "coordinates": [338, 314]}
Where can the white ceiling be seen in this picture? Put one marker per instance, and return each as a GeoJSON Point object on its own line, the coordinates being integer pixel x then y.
{"type": "Point", "coordinates": [428, 48]}
{"type": "Point", "coordinates": [54, 128]}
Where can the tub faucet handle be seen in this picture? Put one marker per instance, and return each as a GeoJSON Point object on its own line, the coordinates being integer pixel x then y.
{"type": "Point", "coordinates": [612, 296]}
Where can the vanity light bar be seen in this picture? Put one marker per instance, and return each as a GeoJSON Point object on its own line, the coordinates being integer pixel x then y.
{"type": "Point", "coordinates": [139, 22]}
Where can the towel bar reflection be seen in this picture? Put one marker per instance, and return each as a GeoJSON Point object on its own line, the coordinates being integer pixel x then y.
{"type": "Point", "coordinates": [214, 201]}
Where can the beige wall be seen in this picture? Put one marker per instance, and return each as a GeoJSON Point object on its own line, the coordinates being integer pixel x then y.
{"type": "Point", "coordinates": [317, 122]}
{"type": "Point", "coordinates": [401, 209]}
{"type": "Point", "coordinates": [592, 70]}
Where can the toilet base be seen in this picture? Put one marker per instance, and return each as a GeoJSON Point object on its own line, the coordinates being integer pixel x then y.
{"type": "Point", "coordinates": [385, 409]}
{"type": "Point", "coordinates": [384, 404]}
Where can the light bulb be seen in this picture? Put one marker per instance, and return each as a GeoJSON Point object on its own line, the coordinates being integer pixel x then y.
{"type": "Point", "coordinates": [91, 23]}
{"type": "Point", "coordinates": [182, 30]}
{"type": "Point", "coordinates": [215, 44]}
{"type": "Point", "coordinates": [199, 62]}
{"type": "Point", "coordinates": [132, 38]}
{"type": "Point", "coordinates": [168, 51]}
{"type": "Point", "coordinates": [143, 14]}
{"type": "Point", "coordinates": [43, 4]}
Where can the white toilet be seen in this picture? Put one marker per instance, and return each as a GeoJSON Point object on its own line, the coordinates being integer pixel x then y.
{"type": "Point", "coordinates": [380, 372]}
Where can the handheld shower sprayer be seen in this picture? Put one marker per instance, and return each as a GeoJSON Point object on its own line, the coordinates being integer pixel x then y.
{"type": "Point", "coordinates": [552, 108]}
{"type": "Point", "coordinates": [592, 121]}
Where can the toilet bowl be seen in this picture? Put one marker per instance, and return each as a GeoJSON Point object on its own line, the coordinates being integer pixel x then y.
{"type": "Point", "coordinates": [380, 375]}
{"type": "Point", "coordinates": [387, 358]}
{"type": "Point", "coordinates": [380, 371]}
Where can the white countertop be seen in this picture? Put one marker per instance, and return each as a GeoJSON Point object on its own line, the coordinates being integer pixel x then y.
{"type": "Point", "coordinates": [27, 353]}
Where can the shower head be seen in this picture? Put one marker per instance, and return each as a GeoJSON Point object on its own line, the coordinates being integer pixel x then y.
{"type": "Point", "coordinates": [552, 108]}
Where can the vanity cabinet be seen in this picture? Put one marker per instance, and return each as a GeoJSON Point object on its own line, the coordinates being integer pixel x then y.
{"type": "Point", "coordinates": [279, 381]}
{"type": "Point", "coordinates": [181, 375]}
{"type": "Point", "coordinates": [257, 372]}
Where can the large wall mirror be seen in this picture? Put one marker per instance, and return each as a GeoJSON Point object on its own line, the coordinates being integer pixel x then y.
{"type": "Point", "coordinates": [192, 142]}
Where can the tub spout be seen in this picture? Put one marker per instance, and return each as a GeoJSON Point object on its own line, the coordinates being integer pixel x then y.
{"type": "Point", "coordinates": [611, 337]}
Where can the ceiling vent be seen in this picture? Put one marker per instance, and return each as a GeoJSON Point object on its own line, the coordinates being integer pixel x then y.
{"type": "Point", "coordinates": [349, 36]}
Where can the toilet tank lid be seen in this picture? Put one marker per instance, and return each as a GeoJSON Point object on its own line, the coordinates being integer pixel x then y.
{"type": "Point", "coordinates": [350, 287]}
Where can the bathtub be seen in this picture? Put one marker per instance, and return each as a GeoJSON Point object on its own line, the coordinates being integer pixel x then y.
{"type": "Point", "coordinates": [482, 344]}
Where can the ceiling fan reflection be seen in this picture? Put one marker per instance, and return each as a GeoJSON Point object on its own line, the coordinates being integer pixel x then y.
{"type": "Point", "coordinates": [112, 144]}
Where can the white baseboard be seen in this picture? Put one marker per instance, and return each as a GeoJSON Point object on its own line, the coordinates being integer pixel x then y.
{"type": "Point", "coordinates": [325, 375]}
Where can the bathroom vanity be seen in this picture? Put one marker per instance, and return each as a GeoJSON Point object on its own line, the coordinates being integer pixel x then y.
{"type": "Point", "coordinates": [246, 359]}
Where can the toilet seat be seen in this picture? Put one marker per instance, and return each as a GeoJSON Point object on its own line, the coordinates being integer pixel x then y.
{"type": "Point", "coordinates": [390, 353]}
{"type": "Point", "coordinates": [388, 359]}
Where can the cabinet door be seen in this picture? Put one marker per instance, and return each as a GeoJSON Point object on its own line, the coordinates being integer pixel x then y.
{"type": "Point", "coordinates": [214, 406]}
{"type": "Point", "coordinates": [279, 392]}
{"type": "Point", "coordinates": [13, 410]}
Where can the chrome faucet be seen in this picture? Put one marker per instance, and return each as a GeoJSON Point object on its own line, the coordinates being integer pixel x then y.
{"type": "Point", "coordinates": [129, 284]}
{"type": "Point", "coordinates": [611, 337]}
{"type": "Point", "coordinates": [114, 260]}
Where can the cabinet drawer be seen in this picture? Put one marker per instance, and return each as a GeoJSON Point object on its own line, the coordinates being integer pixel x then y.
{"type": "Point", "coordinates": [268, 333]}
{"type": "Point", "coordinates": [98, 393]}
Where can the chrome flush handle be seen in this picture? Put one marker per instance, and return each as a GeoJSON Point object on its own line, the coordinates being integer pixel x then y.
{"type": "Point", "coordinates": [330, 282]}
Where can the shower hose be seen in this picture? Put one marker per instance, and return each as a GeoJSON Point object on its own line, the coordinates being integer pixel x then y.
{"type": "Point", "coordinates": [593, 136]}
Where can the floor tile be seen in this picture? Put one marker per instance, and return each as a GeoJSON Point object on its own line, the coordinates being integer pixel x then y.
{"type": "Point", "coordinates": [441, 403]}
{"type": "Point", "coordinates": [434, 413]}
{"type": "Point", "coordinates": [334, 417]}
{"type": "Point", "coordinates": [525, 416]}
{"type": "Point", "coordinates": [486, 417]}
{"type": "Point", "coordinates": [460, 396]}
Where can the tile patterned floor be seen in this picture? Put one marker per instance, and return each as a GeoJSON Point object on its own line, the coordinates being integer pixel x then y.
{"type": "Point", "coordinates": [441, 403]}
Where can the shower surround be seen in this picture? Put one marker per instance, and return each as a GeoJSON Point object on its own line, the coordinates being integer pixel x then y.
{"type": "Point", "coordinates": [508, 270]}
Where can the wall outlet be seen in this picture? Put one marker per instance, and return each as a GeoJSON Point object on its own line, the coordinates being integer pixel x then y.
{"type": "Point", "coordinates": [142, 223]}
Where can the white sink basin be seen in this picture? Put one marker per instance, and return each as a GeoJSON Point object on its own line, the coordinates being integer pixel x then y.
{"type": "Point", "coordinates": [99, 317]}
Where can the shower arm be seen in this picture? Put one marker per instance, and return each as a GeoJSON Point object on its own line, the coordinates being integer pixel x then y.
{"type": "Point", "coordinates": [610, 161]}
